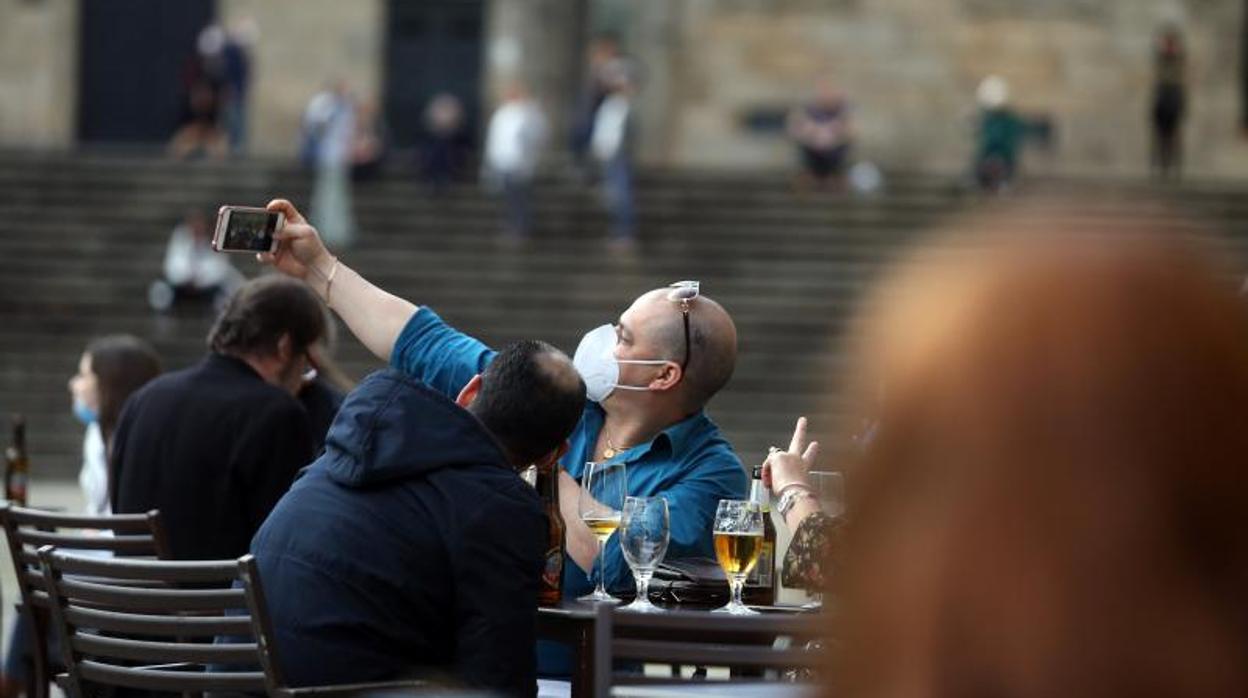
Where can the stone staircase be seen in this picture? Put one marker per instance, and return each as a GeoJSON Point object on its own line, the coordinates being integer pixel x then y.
{"type": "Point", "coordinates": [82, 235]}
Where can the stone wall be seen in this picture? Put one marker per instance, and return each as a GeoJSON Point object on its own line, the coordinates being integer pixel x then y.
{"type": "Point", "coordinates": [305, 44]}
{"type": "Point", "coordinates": [911, 66]}
{"type": "Point", "coordinates": [38, 72]}
{"type": "Point", "coordinates": [713, 66]}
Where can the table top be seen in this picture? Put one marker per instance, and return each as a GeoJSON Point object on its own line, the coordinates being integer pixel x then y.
{"type": "Point", "coordinates": [718, 689]}
{"type": "Point", "coordinates": [584, 610]}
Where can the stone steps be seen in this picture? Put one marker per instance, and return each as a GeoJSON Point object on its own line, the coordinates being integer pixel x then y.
{"type": "Point", "coordinates": [81, 236]}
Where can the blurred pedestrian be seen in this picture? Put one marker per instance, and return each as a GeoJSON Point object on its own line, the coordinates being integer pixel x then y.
{"type": "Point", "coordinates": [613, 145]}
{"type": "Point", "coordinates": [329, 132]}
{"type": "Point", "coordinates": [446, 140]}
{"type": "Point", "coordinates": [513, 149]}
{"type": "Point", "coordinates": [1169, 102]}
{"type": "Point", "coordinates": [999, 135]}
{"type": "Point", "coordinates": [824, 135]}
{"type": "Point", "coordinates": [236, 80]}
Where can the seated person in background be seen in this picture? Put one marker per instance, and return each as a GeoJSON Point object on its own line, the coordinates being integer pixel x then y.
{"type": "Point", "coordinates": [214, 446]}
{"type": "Point", "coordinates": [823, 135]}
{"type": "Point", "coordinates": [192, 269]}
{"type": "Point", "coordinates": [201, 137]}
{"type": "Point", "coordinates": [411, 548]}
{"type": "Point", "coordinates": [649, 376]}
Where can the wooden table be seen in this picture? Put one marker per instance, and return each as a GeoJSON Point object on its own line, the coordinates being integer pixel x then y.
{"type": "Point", "coordinates": [572, 623]}
{"type": "Point", "coordinates": [713, 689]}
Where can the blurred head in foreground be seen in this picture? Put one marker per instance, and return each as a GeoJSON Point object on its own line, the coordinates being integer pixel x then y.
{"type": "Point", "coordinates": [1057, 500]}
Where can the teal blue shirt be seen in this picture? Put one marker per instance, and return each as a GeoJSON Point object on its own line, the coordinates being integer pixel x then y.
{"type": "Point", "coordinates": [690, 463]}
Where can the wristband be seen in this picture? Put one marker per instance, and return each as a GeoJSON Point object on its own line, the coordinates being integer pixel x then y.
{"type": "Point", "coordinates": [789, 496]}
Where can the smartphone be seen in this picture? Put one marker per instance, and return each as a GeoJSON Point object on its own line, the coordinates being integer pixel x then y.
{"type": "Point", "coordinates": [246, 229]}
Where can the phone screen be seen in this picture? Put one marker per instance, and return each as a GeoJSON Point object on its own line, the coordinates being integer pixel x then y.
{"type": "Point", "coordinates": [250, 230]}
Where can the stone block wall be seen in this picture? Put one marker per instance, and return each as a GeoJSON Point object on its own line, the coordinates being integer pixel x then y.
{"type": "Point", "coordinates": [911, 67]}
{"type": "Point", "coordinates": [38, 72]}
{"type": "Point", "coordinates": [304, 45]}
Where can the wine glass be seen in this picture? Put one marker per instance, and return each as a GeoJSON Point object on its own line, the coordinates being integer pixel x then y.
{"type": "Point", "coordinates": [644, 531]}
{"type": "Point", "coordinates": [829, 489]}
{"type": "Point", "coordinates": [738, 542]}
{"type": "Point", "coordinates": [603, 489]}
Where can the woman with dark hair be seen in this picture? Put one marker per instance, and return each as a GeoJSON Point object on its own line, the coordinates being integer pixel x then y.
{"type": "Point", "coordinates": [110, 369]}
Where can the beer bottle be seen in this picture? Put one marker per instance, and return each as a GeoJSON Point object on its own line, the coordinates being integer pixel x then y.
{"type": "Point", "coordinates": [17, 465]}
{"type": "Point", "coordinates": [550, 591]}
{"type": "Point", "coordinates": [760, 585]}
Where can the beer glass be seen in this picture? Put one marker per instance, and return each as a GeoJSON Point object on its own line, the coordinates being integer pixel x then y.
{"type": "Point", "coordinates": [600, 504]}
{"type": "Point", "coordinates": [738, 542]}
{"type": "Point", "coordinates": [644, 531]}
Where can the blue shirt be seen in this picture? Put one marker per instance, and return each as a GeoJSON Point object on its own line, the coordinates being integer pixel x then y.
{"type": "Point", "coordinates": [690, 463]}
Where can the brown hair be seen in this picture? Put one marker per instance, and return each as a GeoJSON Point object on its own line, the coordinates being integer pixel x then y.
{"type": "Point", "coordinates": [1057, 500]}
{"type": "Point", "coordinates": [122, 364]}
{"type": "Point", "coordinates": [261, 311]}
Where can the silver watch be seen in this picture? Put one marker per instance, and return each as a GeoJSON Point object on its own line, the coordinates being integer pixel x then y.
{"type": "Point", "coordinates": [789, 497]}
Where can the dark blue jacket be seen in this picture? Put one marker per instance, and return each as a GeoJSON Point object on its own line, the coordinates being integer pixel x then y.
{"type": "Point", "coordinates": [410, 548]}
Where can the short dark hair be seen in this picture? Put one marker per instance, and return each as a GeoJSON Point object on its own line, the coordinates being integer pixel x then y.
{"type": "Point", "coordinates": [261, 311]}
{"type": "Point", "coordinates": [531, 398]}
{"type": "Point", "coordinates": [121, 363]}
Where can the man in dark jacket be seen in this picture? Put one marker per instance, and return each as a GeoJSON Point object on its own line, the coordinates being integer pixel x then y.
{"type": "Point", "coordinates": [412, 547]}
{"type": "Point", "coordinates": [214, 446]}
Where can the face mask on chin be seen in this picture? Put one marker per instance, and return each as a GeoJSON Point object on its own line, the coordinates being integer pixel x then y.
{"type": "Point", "coordinates": [85, 414]}
{"type": "Point", "coordinates": [595, 361]}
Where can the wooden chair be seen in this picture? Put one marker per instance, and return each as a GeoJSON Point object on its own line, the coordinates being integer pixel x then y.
{"type": "Point", "coordinates": [158, 636]}
{"type": "Point", "coordinates": [701, 639]}
{"type": "Point", "coordinates": [29, 529]}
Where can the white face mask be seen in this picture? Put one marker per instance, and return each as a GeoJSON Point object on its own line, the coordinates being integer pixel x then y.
{"type": "Point", "coordinates": [595, 361]}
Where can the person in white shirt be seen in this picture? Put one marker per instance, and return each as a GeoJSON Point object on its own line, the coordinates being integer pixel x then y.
{"type": "Point", "coordinates": [612, 145]}
{"type": "Point", "coordinates": [513, 150]}
{"type": "Point", "coordinates": [191, 268]}
{"type": "Point", "coordinates": [110, 369]}
{"type": "Point", "coordinates": [329, 131]}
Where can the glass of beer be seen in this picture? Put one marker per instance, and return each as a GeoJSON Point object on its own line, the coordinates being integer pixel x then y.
{"type": "Point", "coordinates": [600, 504]}
{"type": "Point", "coordinates": [738, 541]}
{"type": "Point", "coordinates": [644, 533]}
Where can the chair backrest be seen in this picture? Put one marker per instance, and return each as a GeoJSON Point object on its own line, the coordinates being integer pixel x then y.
{"type": "Point", "coordinates": [700, 638]}
{"type": "Point", "coordinates": [27, 530]}
{"type": "Point", "coordinates": [150, 624]}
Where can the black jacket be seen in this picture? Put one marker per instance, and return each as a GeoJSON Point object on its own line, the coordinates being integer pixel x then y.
{"type": "Point", "coordinates": [213, 447]}
{"type": "Point", "coordinates": [410, 548]}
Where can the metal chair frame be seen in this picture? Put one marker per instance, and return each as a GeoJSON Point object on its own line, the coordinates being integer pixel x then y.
{"type": "Point", "coordinates": [701, 639]}
{"type": "Point", "coordinates": [149, 625]}
{"type": "Point", "coordinates": [28, 529]}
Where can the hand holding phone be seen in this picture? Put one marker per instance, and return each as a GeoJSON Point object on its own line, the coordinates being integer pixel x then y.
{"type": "Point", "coordinates": [299, 251]}
{"type": "Point", "coordinates": [246, 229]}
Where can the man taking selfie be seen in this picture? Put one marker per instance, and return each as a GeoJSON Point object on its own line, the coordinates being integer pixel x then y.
{"type": "Point", "coordinates": [649, 375]}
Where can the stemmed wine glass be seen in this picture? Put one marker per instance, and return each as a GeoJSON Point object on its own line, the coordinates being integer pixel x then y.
{"type": "Point", "coordinates": [603, 489]}
{"type": "Point", "coordinates": [644, 532]}
{"type": "Point", "coordinates": [738, 542]}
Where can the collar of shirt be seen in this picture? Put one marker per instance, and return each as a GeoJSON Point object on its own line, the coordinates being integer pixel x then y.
{"type": "Point", "coordinates": [668, 444]}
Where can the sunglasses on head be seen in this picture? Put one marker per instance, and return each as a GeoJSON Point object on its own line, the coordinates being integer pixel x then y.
{"type": "Point", "coordinates": [683, 293]}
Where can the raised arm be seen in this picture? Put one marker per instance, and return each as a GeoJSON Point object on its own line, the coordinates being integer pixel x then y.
{"type": "Point", "coordinates": [374, 316]}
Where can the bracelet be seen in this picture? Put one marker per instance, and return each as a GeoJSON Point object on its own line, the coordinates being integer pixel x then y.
{"type": "Point", "coordinates": [789, 496]}
{"type": "Point", "coordinates": [329, 281]}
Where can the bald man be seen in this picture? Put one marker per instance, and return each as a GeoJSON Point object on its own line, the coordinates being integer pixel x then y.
{"type": "Point", "coordinates": [649, 375]}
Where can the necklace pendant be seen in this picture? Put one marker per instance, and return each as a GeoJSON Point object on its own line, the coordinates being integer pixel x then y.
{"type": "Point", "coordinates": [608, 452]}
